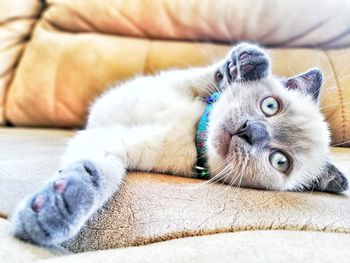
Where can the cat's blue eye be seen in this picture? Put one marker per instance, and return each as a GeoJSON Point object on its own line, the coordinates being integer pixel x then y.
{"type": "Point", "coordinates": [279, 161]}
{"type": "Point", "coordinates": [270, 106]}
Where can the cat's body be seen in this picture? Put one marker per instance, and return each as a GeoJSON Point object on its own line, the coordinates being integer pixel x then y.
{"type": "Point", "coordinates": [155, 118]}
{"type": "Point", "coordinates": [150, 123]}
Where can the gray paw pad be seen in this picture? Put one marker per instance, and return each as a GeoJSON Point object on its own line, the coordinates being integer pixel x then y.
{"type": "Point", "coordinates": [247, 62]}
{"type": "Point", "coordinates": [52, 215]}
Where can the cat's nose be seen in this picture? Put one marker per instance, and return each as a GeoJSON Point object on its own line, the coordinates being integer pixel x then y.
{"type": "Point", "coordinates": [254, 133]}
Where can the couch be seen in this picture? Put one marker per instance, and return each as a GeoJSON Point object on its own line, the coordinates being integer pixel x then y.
{"type": "Point", "coordinates": [56, 56]}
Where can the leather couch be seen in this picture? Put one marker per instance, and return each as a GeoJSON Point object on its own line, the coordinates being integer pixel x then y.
{"type": "Point", "coordinates": [56, 56]}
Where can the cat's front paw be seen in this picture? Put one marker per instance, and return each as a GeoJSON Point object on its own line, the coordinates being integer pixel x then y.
{"type": "Point", "coordinates": [247, 62]}
{"type": "Point", "coordinates": [56, 213]}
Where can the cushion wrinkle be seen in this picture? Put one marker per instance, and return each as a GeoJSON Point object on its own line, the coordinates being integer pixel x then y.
{"type": "Point", "coordinates": [80, 16]}
{"type": "Point", "coordinates": [133, 24]}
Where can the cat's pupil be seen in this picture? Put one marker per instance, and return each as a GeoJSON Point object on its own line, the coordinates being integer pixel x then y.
{"type": "Point", "coordinates": [269, 106]}
{"type": "Point", "coordinates": [281, 162]}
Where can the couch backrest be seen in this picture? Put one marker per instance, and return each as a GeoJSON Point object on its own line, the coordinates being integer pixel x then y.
{"type": "Point", "coordinates": [70, 54]}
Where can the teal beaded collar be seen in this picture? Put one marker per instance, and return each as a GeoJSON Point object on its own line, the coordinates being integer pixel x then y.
{"type": "Point", "coordinates": [201, 136]}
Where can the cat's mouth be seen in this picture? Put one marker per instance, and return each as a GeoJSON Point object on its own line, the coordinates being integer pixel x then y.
{"type": "Point", "coordinates": [225, 140]}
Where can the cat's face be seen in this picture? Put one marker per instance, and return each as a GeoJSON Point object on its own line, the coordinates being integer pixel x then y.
{"type": "Point", "coordinates": [264, 135]}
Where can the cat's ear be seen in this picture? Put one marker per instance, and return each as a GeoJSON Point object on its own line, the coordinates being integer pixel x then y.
{"type": "Point", "coordinates": [332, 180]}
{"type": "Point", "coordinates": [309, 83]}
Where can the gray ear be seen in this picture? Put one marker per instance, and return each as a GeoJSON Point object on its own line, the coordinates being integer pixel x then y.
{"type": "Point", "coordinates": [332, 180]}
{"type": "Point", "coordinates": [309, 82]}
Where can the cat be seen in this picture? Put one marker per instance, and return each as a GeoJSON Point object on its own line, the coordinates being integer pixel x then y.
{"type": "Point", "coordinates": [261, 131]}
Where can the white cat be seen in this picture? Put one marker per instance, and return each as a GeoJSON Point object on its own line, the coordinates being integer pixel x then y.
{"type": "Point", "coordinates": [257, 131]}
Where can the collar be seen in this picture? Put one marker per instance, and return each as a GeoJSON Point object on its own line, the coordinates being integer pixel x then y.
{"type": "Point", "coordinates": [201, 136]}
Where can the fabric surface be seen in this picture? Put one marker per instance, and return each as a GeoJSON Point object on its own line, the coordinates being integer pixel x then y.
{"type": "Point", "coordinates": [248, 246]}
{"type": "Point", "coordinates": [13, 250]}
{"type": "Point", "coordinates": [17, 18]}
{"type": "Point", "coordinates": [28, 158]}
{"type": "Point", "coordinates": [155, 207]}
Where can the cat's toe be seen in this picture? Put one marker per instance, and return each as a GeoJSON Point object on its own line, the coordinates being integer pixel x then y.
{"type": "Point", "coordinates": [38, 221]}
{"type": "Point", "coordinates": [257, 67]}
{"type": "Point", "coordinates": [245, 55]}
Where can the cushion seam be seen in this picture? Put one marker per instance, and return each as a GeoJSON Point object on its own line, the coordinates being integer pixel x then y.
{"type": "Point", "coordinates": [147, 58]}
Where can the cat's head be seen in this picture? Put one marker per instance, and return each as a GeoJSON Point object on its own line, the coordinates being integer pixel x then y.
{"type": "Point", "coordinates": [270, 134]}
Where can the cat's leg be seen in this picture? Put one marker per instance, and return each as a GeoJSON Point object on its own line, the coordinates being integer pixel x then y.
{"type": "Point", "coordinates": [92, 170]}
{"type": "Point", "coordinates": [247, 62]}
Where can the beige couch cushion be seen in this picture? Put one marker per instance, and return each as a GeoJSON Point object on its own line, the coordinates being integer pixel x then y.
{"type": "Point", "coordinates": [153, 207]}
{"type": "Point", "coordinates": [77, 50]}
{"type": "Point", "coordinates": [47, 92]}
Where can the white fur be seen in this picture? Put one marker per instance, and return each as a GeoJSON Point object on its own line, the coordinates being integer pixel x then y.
{"type": "Point", "coordinates": [149, 123]}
